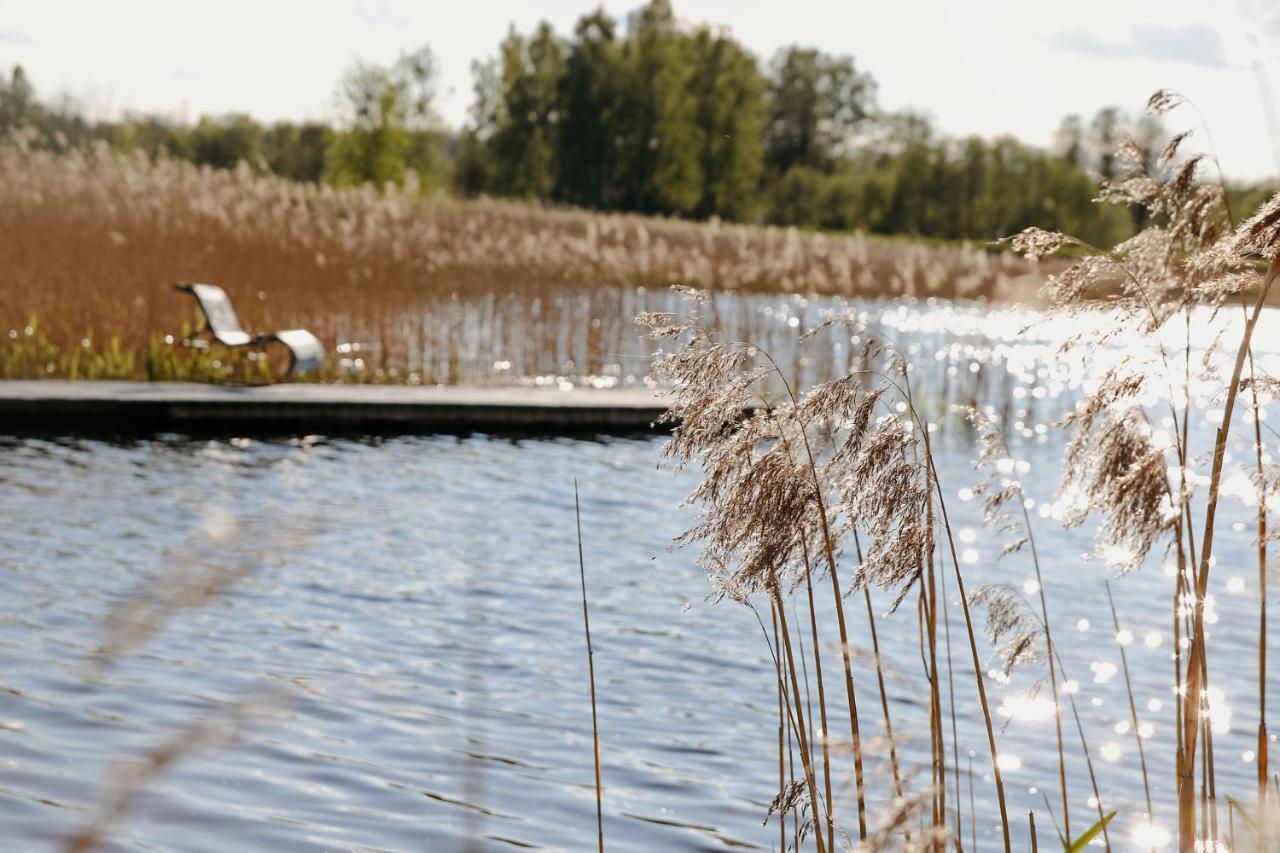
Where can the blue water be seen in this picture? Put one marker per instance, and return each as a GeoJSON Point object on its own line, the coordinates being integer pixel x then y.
{"type": "Point", "coordinates": [407, 613]}
{"type": "Point", "coordinates": [392, 630]}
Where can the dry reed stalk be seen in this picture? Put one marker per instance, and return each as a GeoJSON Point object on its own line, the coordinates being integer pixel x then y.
{"type": "Point", "coordinates": [969, 628]}
{"type": "Point", "coordinates": [1053, 679]}
{"type": "Point", "coordinates": [951, 708]}
{"type": "Point", "coordinates": [1204, 786]}
{"type": "Point", "coordinates": [1191, 254]}
{"type": "Point", "coordinates": [1261, 751]}
{"type": "Point", "coordinates": [1133, 707]}
{"type": "Point", "coordinates": [591, 674]}
{"type": "Point", "coordinates": [1195, 663]}
{"type": "Point", "coordinates": [797, 719]}
{"type": "Point", "coordinates": [850, 693]}
{"type": "Point", "coordinates": [1088, 757]}
{"type": "Point", "coordinates": [837, 593]}
{"type": "Point", "coordinates": [804, 674]}
{"type": "Point", "coordinates": [929, 630]}
{"type": "Point", "coordinates": [782, 767]}
{"type": "Point", "coordinates": [829, 550]}
{"type": "Point", "coordinates": [1179, 591]}
{"type": "Point", "coordinates": [884, 695]}
{"type": "Point", "coordinates": [822, 707]}
{"type": "Point", "coordinates": [982, 690]}
{"type": "Point", "coordinates": [998, 495]}
{"type": "Point", "coordinates": [1209, 792]}
{"type": "Point", "coordinates": [786, 799]}
{"type": "Point", "coordinates": [808, 711]}
{"type": "Point", "coordinates": [929, 599]}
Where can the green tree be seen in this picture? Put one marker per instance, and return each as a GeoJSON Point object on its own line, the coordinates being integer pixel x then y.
{"type": "Point", "coordinates": [17, 100]}
{"type": "Point", "coordinates": [383, 109]}
{"type": "Point", "coordinates": [660, 142]}
{"type": "Point", "coordinates": [730, 114]}
{"type": "Point", "coordinates": [297, 151]}
{"type": "Point", "coordinates": [1070, 140]}
{"type": "Point", "coordinates": [1104, 136]}
{"type": "Point", "coordinates": [817, 103]}
{"type": "Point", "coordinates": [590, 107]}
{"type": "Point", "coordinates": [519, 113]}
{"type": "Point", "coordinates": [224, 141]}
{"type": "Point", "coordinates": [152, 134]}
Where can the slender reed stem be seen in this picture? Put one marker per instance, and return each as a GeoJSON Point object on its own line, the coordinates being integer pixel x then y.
{"type": "Point", "coordinates": [973, 648]}
{"type": "Point", "coordinates": [782, 765]}
{"type": "Point", "coordinates": [1133, 707]}
{"type": "Point", "coordinates": [804, 673]}
{"type": "Point", "coordinates": [1211, 782]}
{"type": "Point", "coordinates": [983, 702]}
{"type": "Point", "coordinates": [837, 592]}
{"type": "Point", "coordinates": [884, 695]}
{"type": "Point", "coordinates": [1193, 697]}
{"type": "Point", "coordinates": [797, 719]}
{"type": "Point", "coordinates": [1261, 752]}
{"type": "Point", "coordinates": [591, 674]}
{"type": "Point", "coordinates": [1180, 589]}
{"type": "Point", "coordinates": [1053, 818]}
{"type": "Point", "coordinates": [1088, 758]}
{"type": "Point", "coordinates": [951, 705]}
{"type": "Point", "coordinates": [846, 654]}
{"type": "Point", "coordinates": [929, 596]}
{"type": "Point", "coordinates": [1204, 784]}
{"type": "Point", "coordinates": [822, 707]}
{"type": "Point", "coordinates": [1053, 679]}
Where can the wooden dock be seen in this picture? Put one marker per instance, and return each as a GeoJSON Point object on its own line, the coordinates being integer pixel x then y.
{"type": "Point", "coordinates": [57, 407]}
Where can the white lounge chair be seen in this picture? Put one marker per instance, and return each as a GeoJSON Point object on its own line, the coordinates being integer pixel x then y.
{"type": "Point", "coordinates": [306, 353]}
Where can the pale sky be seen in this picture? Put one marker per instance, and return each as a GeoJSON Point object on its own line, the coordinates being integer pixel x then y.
{"type": "Point", "coordinates": [984, 66]}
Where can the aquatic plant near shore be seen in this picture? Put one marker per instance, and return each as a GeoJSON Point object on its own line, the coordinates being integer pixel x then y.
{"type": "Point", "coordinates": [790, 475]}
{"type": "Point", "coordinates": [1119, 459]}
{"type": "Point", "coordinates": [785, 479]}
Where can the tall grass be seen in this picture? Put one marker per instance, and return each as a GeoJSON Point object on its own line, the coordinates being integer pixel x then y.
{"type": "Point", "coordinates": [848, 464]}
{"type": "Point", "coordinates": [399, 288]}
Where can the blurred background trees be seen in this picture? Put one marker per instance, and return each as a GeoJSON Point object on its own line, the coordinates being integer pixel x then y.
{"type": "Point", "coordinates": [654, 115]}
{"type": "Point", "coordinates": [388, 125]}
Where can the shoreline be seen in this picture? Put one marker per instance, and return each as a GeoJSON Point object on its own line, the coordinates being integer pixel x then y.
{"type": "Point", "coordinates": [56, 407]}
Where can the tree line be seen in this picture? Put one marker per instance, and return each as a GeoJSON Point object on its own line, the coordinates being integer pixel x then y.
{"type": "Point", "coordinates": [655, 116]}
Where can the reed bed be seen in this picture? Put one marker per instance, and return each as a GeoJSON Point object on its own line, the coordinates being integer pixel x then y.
{"type": "Point", "coordinates": [833, 484]}
{"type": "Point", "coordinates": [400, 288]}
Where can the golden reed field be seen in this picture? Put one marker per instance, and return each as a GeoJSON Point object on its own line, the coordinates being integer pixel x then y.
{"type": "Point", "coordinates": [429, 290]}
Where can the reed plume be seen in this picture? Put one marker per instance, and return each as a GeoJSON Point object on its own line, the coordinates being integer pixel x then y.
{"type": "Point", "coordinates": [768, 500]}
{"type": "Point", "coordinates": [1119, 469]}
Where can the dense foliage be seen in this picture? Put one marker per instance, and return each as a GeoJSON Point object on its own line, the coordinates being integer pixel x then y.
{"type": "Point", "coordinates": [657, 116]}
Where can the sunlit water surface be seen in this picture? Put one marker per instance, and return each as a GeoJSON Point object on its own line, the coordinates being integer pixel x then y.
{"type": "Point", "coordinates": [410, 609]}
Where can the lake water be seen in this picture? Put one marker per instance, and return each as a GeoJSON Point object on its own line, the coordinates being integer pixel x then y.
{"type": "Point", "coordinates": [407, 612]}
